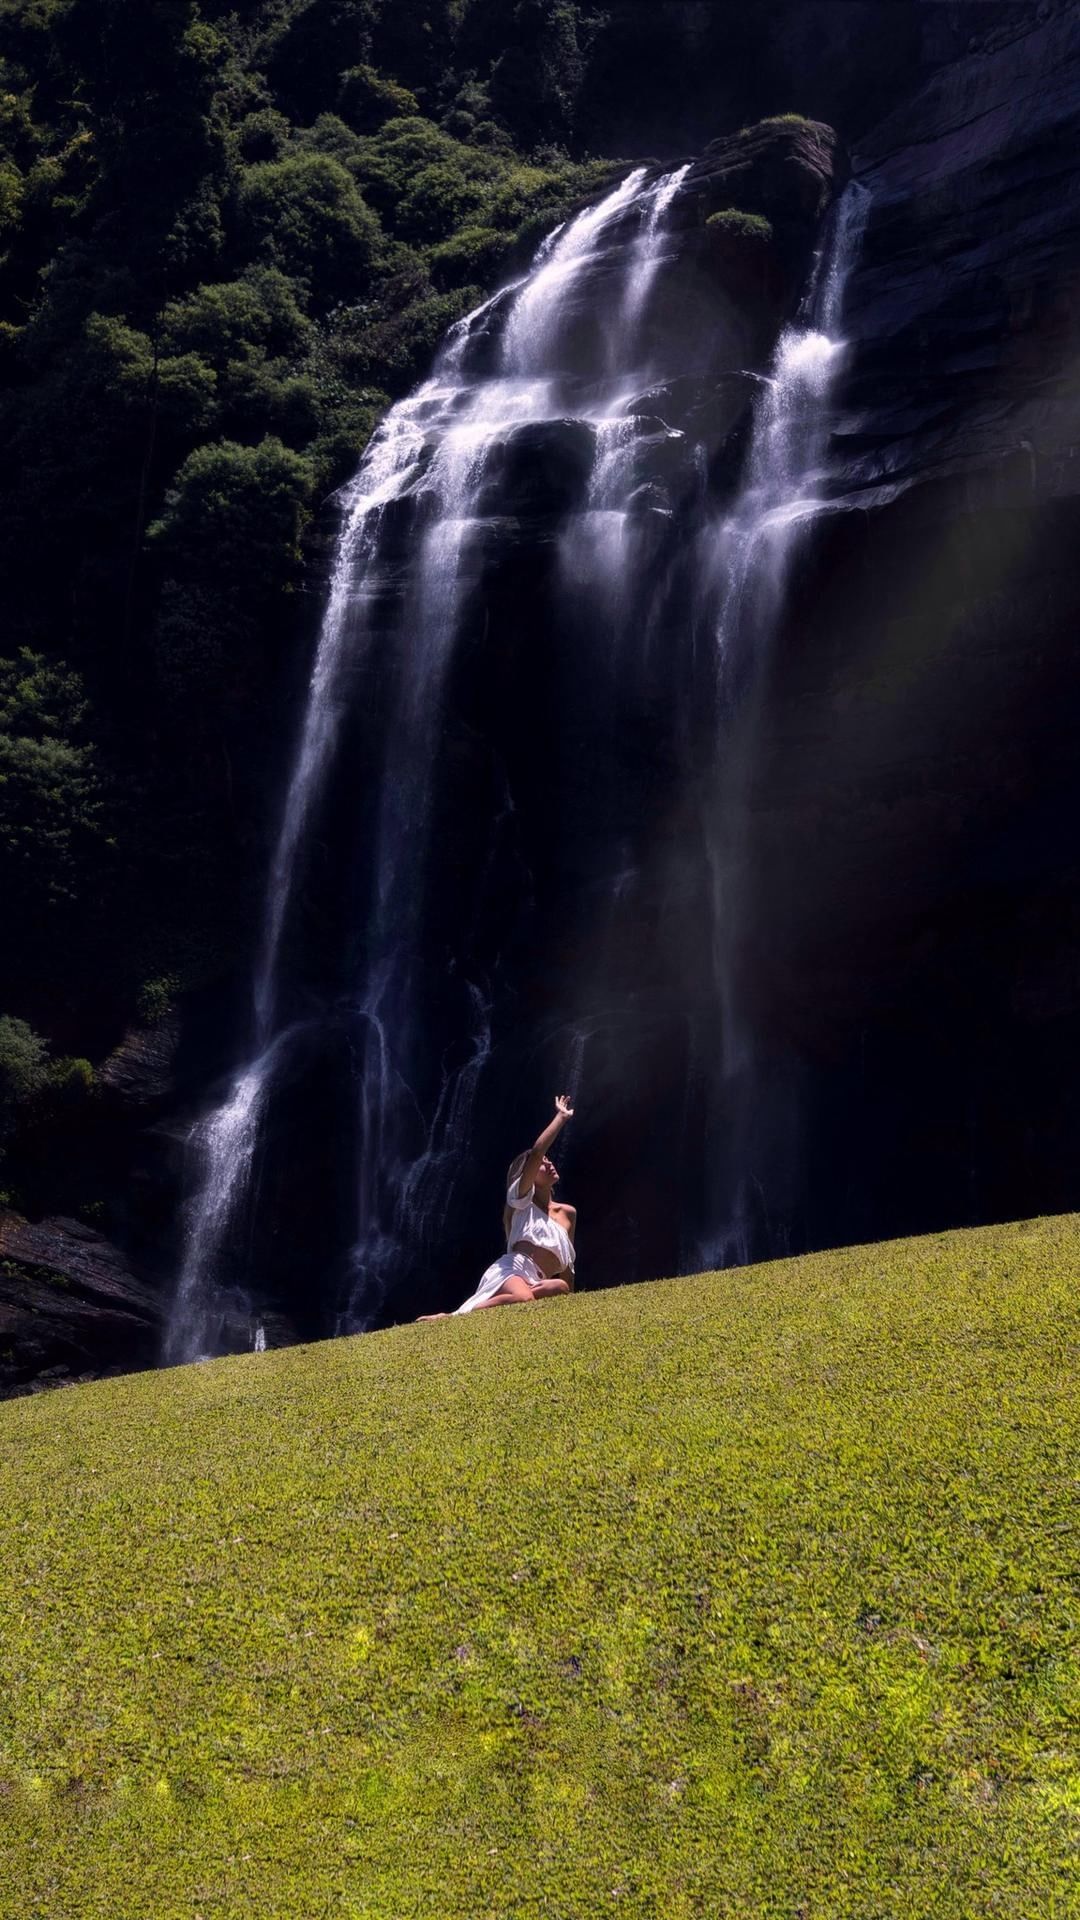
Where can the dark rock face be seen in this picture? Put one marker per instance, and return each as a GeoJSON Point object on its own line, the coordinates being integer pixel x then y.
{"type": "Point", "coordinates": [140, 1074]}
{"type": "Point", "coordinates": [70, 1307]}
{"type": "Point", "coordinates": [784, 169]}
{"type": "Point", "coordinates": [967, 310]}
{"type": "Point", "coordinates": [912, 950]}
{"type": "Point", "coordinates": [843, 61]}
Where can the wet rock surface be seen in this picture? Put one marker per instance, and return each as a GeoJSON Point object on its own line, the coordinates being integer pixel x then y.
{"type": "Point", "coordinates": [966, 306]}
{"type": "Point", "coordinates": [70, 1306]}
{"type": "Point", "coordinates": [911, 945]}
{"type": "Point", "coordinates": [140, 1073]}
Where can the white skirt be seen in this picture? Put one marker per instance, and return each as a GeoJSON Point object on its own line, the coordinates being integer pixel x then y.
{"type": "Point", "coordinates": [495, 1277]}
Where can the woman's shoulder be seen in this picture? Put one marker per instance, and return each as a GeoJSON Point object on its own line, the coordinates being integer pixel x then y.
{"type": "Point", "coordinates": [561, 1206]}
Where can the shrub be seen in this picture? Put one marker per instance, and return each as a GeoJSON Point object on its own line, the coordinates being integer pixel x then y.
{"type": "Point", "coordinates": [68, 1082]}
{"type": "Point", "coordinates": [793, 120]}
{"type": "Point", "coordinates": [11, 195]}
{"type": "Point", "coordinates": [330, 135]}
{"type": "Point", "coordinates": [468, 257]}
{"type": "Point", "coordinates": [336, 454]}
{"type": "Point", "coordinates": [732, 223]}
{"type": "Point", "coordinates": [225, 319]}
{"type": "Point", "coordinates": [520, 191]}
{"type": "Point", "coordinates": [50, 792]}
{"type": "Point", "coordinates": [260, 397]}
{"type": "Point", "coordinates": [368, 101]}
{"type": "Point", "coordinates": [156, 998]}
{"type": "Point", "coordinates": [236, 512]}
{"type": "Point", "coordinates": [202, 644]}
{"type": "Point", "coordinates": [390, 162]}
{"type": "Point", "coordinates": [187, 390]}
{"type": "Point", "coordinates": [24, 1063]}
{"type": "Point", "coordinates": [399, 348]}
{"type": "Point", "coordinates": [114, 359]}
{"type": "Point", "coordinates": [439, 199]}
{"type": "Point", "coordinates": [263, 135]}
{"type": "Point", "coordinates": [306, 215]}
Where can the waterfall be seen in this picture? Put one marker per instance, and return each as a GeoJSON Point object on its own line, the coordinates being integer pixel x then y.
{"type": "Point", "coordinates": [567, 375]}
{"type": "Point", "coordinates": [783, 486]}
{"type": "Point", "coordinates": [407, 1170]}
{"type": "Point", "coordinates": [433, 449]}
{"type": "Point", "coordinates": [785, 489]}
{"type": "Point", "coordinates": [649, 248]}
{"type": "Point", "coordinates": [223, 1144]}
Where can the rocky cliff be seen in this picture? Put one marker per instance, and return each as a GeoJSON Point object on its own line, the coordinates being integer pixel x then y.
{"type": "Point", "coordinates": [915, 940]}
{"type": "Point", "coordinates": [70, 1307]}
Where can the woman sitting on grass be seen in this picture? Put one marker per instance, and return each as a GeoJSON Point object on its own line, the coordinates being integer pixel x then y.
{"type": "Point", "coordinates": [539, 1258]}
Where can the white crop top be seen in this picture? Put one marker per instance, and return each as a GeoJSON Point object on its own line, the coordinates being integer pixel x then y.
{"type": "Point", "coordinates": [529, 1222]}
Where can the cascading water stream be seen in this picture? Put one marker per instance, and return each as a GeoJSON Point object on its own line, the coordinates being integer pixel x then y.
{"type": "Point", "coordinates": [223, 1144]}
{"type": "Point", "coordinates": [407, 1182]}
{"type": "Point", "coordinates": [649, 250]}
{"type": "Point", "coordinates": [784, 491]}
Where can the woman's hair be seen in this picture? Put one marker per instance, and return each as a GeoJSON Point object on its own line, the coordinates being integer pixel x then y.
{"type": "Point", "coordinates": [512, 1172]}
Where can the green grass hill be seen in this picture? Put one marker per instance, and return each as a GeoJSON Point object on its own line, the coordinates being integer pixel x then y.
{"type": "Point", "coordinates": [736, 1597]}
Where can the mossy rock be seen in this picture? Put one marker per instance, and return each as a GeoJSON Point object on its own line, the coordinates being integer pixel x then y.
{"type": "Point", "coordinates": [783, 168]}
{"type": "Point", "coordinates": [794, 122]}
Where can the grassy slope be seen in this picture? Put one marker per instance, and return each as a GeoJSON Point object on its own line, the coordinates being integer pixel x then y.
{"type": "Point", "coordinates": [748, 1595]}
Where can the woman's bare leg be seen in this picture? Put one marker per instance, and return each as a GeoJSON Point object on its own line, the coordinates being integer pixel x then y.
{"type": "Point", "coordinates": [516, 1292]}
{"type": "Point", "coordinates": [513, 1293]}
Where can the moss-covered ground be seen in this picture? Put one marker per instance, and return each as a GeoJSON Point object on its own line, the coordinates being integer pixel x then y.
{"type": "Point", "coordinates": [749, 1595]}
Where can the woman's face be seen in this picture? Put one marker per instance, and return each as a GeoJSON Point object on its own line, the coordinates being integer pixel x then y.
{"type": "Point", "coordinates": [547, 1174]}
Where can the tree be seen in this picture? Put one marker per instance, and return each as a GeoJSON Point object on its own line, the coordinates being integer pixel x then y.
{"type": "Point", "coordinates": [54, 850]}
{"type": "Point", "coordinates": [306, 215]}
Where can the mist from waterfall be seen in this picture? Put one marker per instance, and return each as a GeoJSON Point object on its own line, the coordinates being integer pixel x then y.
{"type": "Point", "coordinates": [546, 362]}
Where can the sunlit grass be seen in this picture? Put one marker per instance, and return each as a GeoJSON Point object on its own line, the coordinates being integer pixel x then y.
{"type": "Point", "coordinates": [750, 1595]}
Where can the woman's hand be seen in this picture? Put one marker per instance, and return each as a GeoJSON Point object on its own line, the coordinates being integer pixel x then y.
{"type": "Point", "coordinates": [563, 1112]}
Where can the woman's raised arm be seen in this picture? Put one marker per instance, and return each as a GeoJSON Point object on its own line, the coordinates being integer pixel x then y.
{"type": "Point", "coordinates": [563, 1112]}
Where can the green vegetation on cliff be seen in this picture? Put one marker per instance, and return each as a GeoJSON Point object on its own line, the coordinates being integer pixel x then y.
{"type": "Point", "coordinates": [228, 238]}
{"type": "Point", "coordinates": [732, 223]}
{"type": "Point", "coordinates": [750, 1595]}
